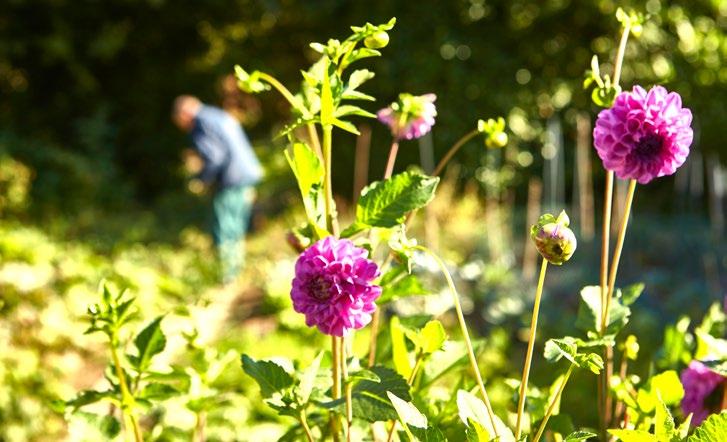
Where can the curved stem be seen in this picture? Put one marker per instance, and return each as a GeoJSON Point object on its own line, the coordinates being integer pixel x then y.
{"type": "Point", "coordinates": [531, 345]}
{"type": "Point", "coordinates": [465, 335]}
{"type": "Point", "coordinates": [392, 159]}
{"type": "Point", "coordinates": [284, 92]}
{"type": "Point", "coordinates": [551, 407]}
{"type": "Point", "coordinates": [620, 54]}
{"type": "Point", "coordinates": [127, 400]}
{"type": "Point", "coordinates": [453, 150]}
{"type": "Point", "coordinates": [306, 428]}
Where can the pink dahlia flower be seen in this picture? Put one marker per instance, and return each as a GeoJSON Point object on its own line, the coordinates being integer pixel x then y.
{"type": "Point", "coordinates": [333, 286]}
{"type": "Point", "coordinates": [644, 135]}
{"type": "Point", "coordinates": [409, 117]}
{"type": "Point", "coordinates": [702, 392]}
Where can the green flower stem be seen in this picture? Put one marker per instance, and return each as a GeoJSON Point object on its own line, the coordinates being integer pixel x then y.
{"type": "Point", "coordinates": [392, 159]}
{"type": "Point", "coordinates": [313, 135]}
{"type": "Point", "coordinates": [376, 317]}
{"type": "Point", "coordinates": [604, 390]}
{"type": "Point", "coordinates": [349, 389]}
{"type": "Point", "coordinates": [131, 425]}
{"type": "Point", "coordinates": [453, 150]}
{"type": "Point", "coordinates": [331, 223]}
{"type": "Point", "coordinates": [198, 435]}
{"type": "Point", "coordinates": [336, 389]}
{"type": "Point", "coordinates": [619, 245]}
{"type": "Point", "coordinates": [465, 335]}
{"type": "Point", "coordinates": [531, 345]}
{"type": "Point", "coordinates": [551, 407]}
{"type": "Point", "coordinates": [304, 423]}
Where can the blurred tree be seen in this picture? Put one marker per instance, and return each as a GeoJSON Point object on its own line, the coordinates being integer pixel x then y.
{"type": "Point", "coordinates": [117, 64]}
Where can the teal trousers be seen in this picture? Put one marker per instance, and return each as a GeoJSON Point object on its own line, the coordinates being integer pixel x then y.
{"type": "Point", "coordinates": [232, 208]}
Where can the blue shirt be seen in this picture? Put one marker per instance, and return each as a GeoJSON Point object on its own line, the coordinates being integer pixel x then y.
{"type": "Point", "coordinates": [228, 156]}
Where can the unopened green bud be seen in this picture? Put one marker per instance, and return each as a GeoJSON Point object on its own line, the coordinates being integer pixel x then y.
{"type": "Point", "coordinates": [553, 239]}
{"type": "Point", "coordinates": [377, 40]}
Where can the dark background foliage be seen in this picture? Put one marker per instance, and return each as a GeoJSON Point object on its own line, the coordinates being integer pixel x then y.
{"type": "Point", "coordinates": [87, 85]}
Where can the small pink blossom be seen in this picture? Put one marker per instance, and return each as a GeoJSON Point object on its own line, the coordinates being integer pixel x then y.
{"type": "Point", "coordinates": [409, 117]}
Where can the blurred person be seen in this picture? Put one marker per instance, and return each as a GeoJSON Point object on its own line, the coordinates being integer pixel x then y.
{"type": "Point", "coordinates": [223, 163]}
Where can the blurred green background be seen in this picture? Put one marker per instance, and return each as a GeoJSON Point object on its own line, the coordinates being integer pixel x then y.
{"type": "Point", "coordinates": [91, 183]}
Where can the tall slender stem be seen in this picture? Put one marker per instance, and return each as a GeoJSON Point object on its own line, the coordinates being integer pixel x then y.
{"type": "Point", "coordinates": [604, 393]}
{"type": "Point", "coordinates": [306, 428]}
{"type": "Point", "coordinates": [313, 135]}
{"type": "Point", "coordinates": [376, 317]}
{"type": "Point", "coordinates": [465, 335]}
{"type": "Point", "coordinates": [349, 389]}
{"type": "Point", "coordinates": [336, 367]}
{"type": "Point", "coordinates": [531, 345]}
{"type": "Point", "coordinates": [619, 244]}
{"type": "Point", "coordinates": [551, 407]}
{"type": "Point", "coordinates": [453, 150]}
{"type": "Point", "coordinates": [127, 400]}
{"type": "Point", "coordinates": [392, 159]}
{"type": "Point", "coordinates": [199, 426]}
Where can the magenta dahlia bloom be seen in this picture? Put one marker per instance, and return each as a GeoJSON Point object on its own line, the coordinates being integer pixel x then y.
{"type": "Point", "coordinates": [333, 286]}
{"type": "Point", "coordinates": [702, 391]}
{"type": "Point", "coordinates": [409, 117]}
{"type": "Point", "coordinates": [644, 135]}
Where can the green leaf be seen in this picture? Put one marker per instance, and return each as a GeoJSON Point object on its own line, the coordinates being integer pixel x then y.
{"type": "Point", "coordinates": [432, 337]}
{"type": "Point", "coordinates": [158, 392]}
{"type": "Point", "coordinates": [307, 380]}
{"type": "Point", "coordinates": [579, 436]}
{"type": "Point", "coordinates": [370, 399]}
{"type": "Point", "coordinates": [668, 386]}
{"type": "Point", "coordinates": [429, 434]}
{"type": "Point", "coordinates": [714, 428]}
{"type": "Point", "coordinates": [631, 293]}
{"type": "Point", "coordinates": [409, 285]}
{"type": "Point", "coordinates": [663, 421]}
{"type": "Point", "coordinates": [149, 343]}
{"type": "Point", "coordinates": [358, 77]}
{"type": "Point", "coordinates": [309, 173]}
{"type": "Point", "coordinates": [589, 312]}
{"type": "Point", "coordinates": [682, 431]}
{"type": "Point", "coordinates": [471, 407]}
{"type": "Point", "coordinates": [346, 110]}
{"type": "Point", "coordinates": [476, 432]}
{"type": "Point", "coordinates": [87, 397]}
{"type": "Point", "coordinates": [327, 104]}
{"type": "Point", "coordinates": [555, 349]}
{"type": "Point", "coordinates": [400, 354]}
{"type": "Point", "coordinates": [345, 125]}
{"type": "Point", "coordinates": [386, 203]}
{"type": "Point", "coordinates": [271, 377]}
{"type": "Point", "coordinates": [408, 414]}
{"type": "Point", "coordinates": [634, 435]}
{"type": "Point", "coordinates": [590, 361]}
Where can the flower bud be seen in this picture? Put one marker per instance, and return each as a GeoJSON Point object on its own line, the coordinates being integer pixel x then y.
{"type": "Point", "coordinates": [553, 239]}
{"type": "Point", "coordinates": [496, 140]}
{"type": "Point", "coordinates": [377, 40]}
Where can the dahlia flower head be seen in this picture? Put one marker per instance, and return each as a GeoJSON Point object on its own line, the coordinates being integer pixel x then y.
{"type": "Point", "coordinates": [410, 117]}
{"type": "Point", "coordinates": [645, 135]}
{"type": "Point", "coordinates": [333, 286]}
{"type": "Point", "coordinates": [702, 392]}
